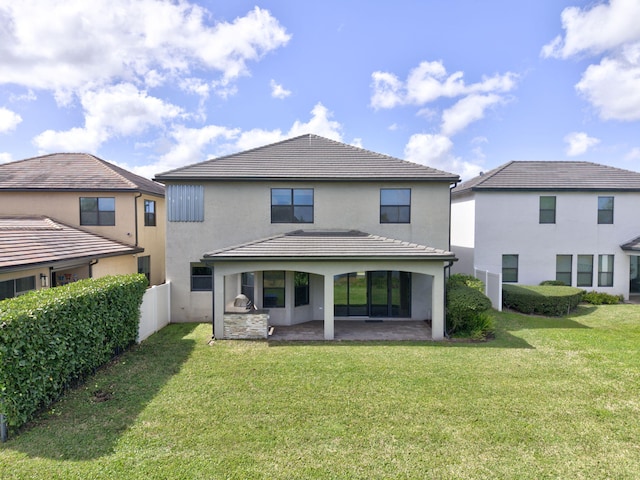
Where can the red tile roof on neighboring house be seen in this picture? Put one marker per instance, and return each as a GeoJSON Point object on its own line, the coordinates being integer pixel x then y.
{"type": "Point", "coordinates": [307, 157]}
{"type": "Point", "coordinates": [552, 176]}
{"type": "Point", "coordinates": [310, 244]}
{"type": "Point", "coordinates": [36, 240]}
{"type": "Point", "coordinates": [72, 171]}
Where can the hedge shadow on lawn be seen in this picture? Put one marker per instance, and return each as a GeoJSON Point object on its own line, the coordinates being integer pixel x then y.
{"type": "Point", "coordinates": [89, 420]}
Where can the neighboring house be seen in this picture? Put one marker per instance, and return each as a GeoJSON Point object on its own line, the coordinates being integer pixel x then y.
{"type": "Point", "coordinates": [310, 229]}
{"type": "Point", "coordinates": [38, 252]}
{"type": "Point", "coordinates": [83, 192]}
{"type": "Point", "coordinates": [577, 222]}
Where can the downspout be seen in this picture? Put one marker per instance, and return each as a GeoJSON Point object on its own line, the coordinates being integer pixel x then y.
{"type": "Point", "coordinates": [91, 264]}
{"type": "Point", "coordinates": [213, 303]}
{"type": "Point", "coordinates": [447, 268]}
{"type": "Point", "coordinates": [447, 274]}
{"type": "Point", "coordinates": [135, 213]}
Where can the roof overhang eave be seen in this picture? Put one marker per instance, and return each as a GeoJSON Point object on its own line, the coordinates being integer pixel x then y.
{"type": "Point", "coordinates": [232, 258]}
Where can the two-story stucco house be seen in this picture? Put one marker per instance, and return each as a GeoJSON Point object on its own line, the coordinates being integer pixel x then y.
{"type": "Point", "coordinates": [310, 229]}
{"type": "Point", "coordinates": [532, 221]}
{"type": "Point", "coordinates": [69, 216]}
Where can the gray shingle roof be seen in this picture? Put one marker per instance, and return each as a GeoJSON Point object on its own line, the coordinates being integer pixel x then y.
{"type": "Point", "coordinates": [72, 171]}
{"type": "Point", "coordinates": [632, 246]}
{"type": "Point", "coordinates": [310, 244]}
{"type": "Point", "coordinates": [36, 240]}
{"type": "Point", "coordinates": [307, 157]}
{"type": "Point", "coordinates": [536, 175]}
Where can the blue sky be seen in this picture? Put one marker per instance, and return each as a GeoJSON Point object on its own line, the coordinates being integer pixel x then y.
{"type": "Point", "coordinates": [461, 85]}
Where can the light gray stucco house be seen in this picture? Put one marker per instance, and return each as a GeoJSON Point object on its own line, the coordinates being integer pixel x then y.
{"type": "Point", "coordinates": [310, 229]}
{"type": "Point", "coordinates": [531, 221]}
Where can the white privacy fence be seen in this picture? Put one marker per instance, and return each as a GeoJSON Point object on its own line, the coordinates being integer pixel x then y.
{"type": "Point", "coordinates": [154, 311]}
{"type": "Point", "coordinates": [492, 286]}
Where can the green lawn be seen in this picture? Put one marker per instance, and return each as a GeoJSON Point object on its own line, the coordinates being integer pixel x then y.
{"type": "Point", "coordinates": [548, 398]}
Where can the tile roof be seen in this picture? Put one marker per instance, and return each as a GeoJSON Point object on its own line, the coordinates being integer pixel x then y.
{"type": "Point", "coordinates": [35, 240]}
{"type": "Point", "coordinates": [307, 157]}
{"type": "Point", "coordinates": [548, 175]}
{"type": "Point", "coordinates": [72, 171]}
{"type": "Point", "coordinates": [632, 246]}
{"type": "Point", "coordinates": [310, 244]}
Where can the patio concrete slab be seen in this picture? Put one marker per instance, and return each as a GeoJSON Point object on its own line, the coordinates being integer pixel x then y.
{"type": "Point", "coordinates": [355, 330]}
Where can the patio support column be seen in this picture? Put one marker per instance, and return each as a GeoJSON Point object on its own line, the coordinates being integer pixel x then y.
{"type": "Point", "coordinates": [328, 307]}
{"type": "Point", "coordinates": [218, 304]}
{"type": "Point", "coordinates": [437, 309]}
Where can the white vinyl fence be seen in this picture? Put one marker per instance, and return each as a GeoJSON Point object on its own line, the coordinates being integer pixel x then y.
{"type": "Point", "coordinates": [492, 286]}
{"type": "Point", "coordinates": [154, 311]}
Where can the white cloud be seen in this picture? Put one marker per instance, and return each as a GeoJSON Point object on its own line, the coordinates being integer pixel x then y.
{"type": "Point", "coordinates": [612, 86]}
{"type": "Point", "coordinates": [278, 91]}
{"type": "Point", "coordinates": [428, 82]}
{"type": "Point", "coordinates": [5, 157]}
{"type": "Point", "coordinates": [579, 142]}
{"type": "Point", "coordinates": [634, 154]}
{"type": "Point", "coordinates": [193, 145]}
{"type": "Point", "coordinates": [603, 27]}
{"type": "Point", "coordinates": [66, 46]}
{"type": "Point", "coordinates": [465, 111]}
{"type": "Point", "coordinates": [9, 120]}
{"type": "Point", "coordinates": [436, 151]}
{"type": "Point", "coordinates": [118, 110]}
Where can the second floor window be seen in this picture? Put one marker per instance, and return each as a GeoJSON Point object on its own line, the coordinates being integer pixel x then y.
{"type": "Point", "coordinates": [291, 205]}
{"type": "Point", "coordinates": [149, 213]}
{"type": "Point", "coordinates": [605, 210]}
{"type": "Point", "coordinates": [98, 211]}
{"type": "Point", "coordinates": [395, 205]}
{"type": "Point", "coordinates": [547, 209]}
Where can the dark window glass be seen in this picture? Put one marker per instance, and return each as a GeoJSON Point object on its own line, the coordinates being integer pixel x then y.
{"type": "Point", "coordinates": [149, 213]}
{"type": "Point", "coordinates": [201, 278]}
{"type": "Point", "coordinates": [97, 211]}
{"type": "Point", "coordinates": [605, 210]}
{"type": "Point", "coordinates": [585, 271]}
{"type": "Point", "coordinates": [301, 281]}
{"type": "Point", "coordinates": [509, 268]}
{"type": "Point", "coordinates": [395, 205]}
{"type": "Point", "coordinates": [144, 266]}
{"type": "Point", "coordinates": [273, 289]}
{"type": "Point", "coordinates": [247, 288]}
{"type": "Point", "coordinates": [547, 209]}
{"type": "Point", "coordinates": [7, 289]}
{"type": "Point", "coordinates": [291, 205]}
{"type": "Point", "coordinates": [563, 268]}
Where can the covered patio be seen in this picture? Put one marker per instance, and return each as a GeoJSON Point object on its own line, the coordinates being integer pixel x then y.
{"type": "Point", "coordinates": [326, 255]}
{"type": "Point", "coordinates": [355, 330]}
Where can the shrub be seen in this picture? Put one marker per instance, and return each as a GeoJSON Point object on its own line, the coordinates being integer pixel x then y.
{"type": "Point", "coordinates": [557, 283]}
{"type": "Point", "coordinates": [54, 337]}
{"type": "Point", "coordinates": [467, 311]}
{"type": "Point", "coordinates": [468, 280]}
{"type": "Point", "coordinates": [547, 300]}
{"type": "Point", "coordinates": [601, 298]}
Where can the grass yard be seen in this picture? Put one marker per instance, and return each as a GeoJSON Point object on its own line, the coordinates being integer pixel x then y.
{"type": "Point", "coordinates": [548, 398]}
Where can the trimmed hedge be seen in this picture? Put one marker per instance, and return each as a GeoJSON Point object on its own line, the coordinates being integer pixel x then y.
{"type": "Point", "coordinates": [467, 308]}
{"type": "Point", "coordinates": [554, 301]}
{"type": "Point", "coordinates": [601, 298]}
{"type": "Point", "coordinates": [54, 337]}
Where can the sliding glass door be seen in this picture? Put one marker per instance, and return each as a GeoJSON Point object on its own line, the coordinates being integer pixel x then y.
{"type": "Point", "coordinates": [373, 294]}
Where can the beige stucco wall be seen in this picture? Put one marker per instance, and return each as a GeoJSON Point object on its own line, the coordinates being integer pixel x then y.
{"type": "Point", "coordinates": [65, 207]}
{"type": "Point", "coordinates": [239, 212]}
